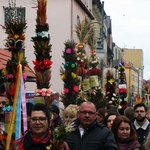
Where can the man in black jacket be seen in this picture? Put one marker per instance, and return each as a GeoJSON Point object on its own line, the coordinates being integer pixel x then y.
{"type": "Point", "coordinates": [141, 123]}
{"type": "Point", "coordinates": [89, 134]}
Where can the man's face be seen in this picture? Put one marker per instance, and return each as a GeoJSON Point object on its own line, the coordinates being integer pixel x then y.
{"type": "Point", "coordinates": [87, 114]}
{"type": "Point", "coordinates": [38, 123]}
{"type": "Point", "coordinates": [140, 114]}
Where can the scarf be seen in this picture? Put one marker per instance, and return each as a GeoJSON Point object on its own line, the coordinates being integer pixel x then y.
{"type": "Point", "coordinates": [30, 143]}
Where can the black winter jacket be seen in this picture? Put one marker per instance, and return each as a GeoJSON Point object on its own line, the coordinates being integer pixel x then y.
{"type": "Point", "coordinates": [97, 137]}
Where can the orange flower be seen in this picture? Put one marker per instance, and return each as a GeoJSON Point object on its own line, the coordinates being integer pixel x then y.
{"type": "Point", "coordinates": [80, 45]}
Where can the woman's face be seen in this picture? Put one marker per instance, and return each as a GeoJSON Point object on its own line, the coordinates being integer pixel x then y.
{"type": "Point", "coordinates": [110, 121]}
{"type": "Point", "coordinates": [124, 131]}
{"type": "Point", "coordinates": [38, 123]}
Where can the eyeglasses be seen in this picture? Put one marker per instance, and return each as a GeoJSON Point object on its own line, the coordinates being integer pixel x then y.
{"type": "Point", "coordinates": [139, 111]}
{"type": "Point", "coordinates": [40, 119]}
{"type": "Point", "coordinates": [87, 112]}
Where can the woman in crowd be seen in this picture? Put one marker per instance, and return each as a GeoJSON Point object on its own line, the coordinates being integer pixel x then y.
{"type": "Point", "coordinates": [108, 120]}
{"type": "Point", "coordinates": [101, 113]}
{"type": "Point", "coordinates": [70, 113]}
{"type": "Point", "coordinates": [125, 135]}
{"type": "Point", "coordinates": [39, 135]}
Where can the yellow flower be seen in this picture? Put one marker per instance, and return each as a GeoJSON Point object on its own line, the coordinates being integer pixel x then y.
{"type": "Point", "coordinates": [49, 147]}
{"type": "Point", "coordinates": [63, 77]}
{"type": "Point", "coordinates": [16, 36]}
{"type": "Point", "coordinates": [111, 81]}
{"type": "Point", "coordinates": [73, 75]}
{"type": "Point", "coordinates": [4, 71]}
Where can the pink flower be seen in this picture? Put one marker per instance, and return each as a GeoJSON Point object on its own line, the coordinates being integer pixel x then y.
{"type": "Point", "coordinates": [110, 102]}
{"type": "Point", "coordinates": [108, 93]}
{"type": "Point", "coordinates": [43, 94]}
{"type": "Point", "coordinates": [24, 76]}
{"type": "Point", "coordinates": [40, 90]}
{"type": "Point", "coordinates": [49, 91]}
{"type": "Point", "coordinates": [68, 50]}
{"type": "Point", "coordinates": [9, 76]}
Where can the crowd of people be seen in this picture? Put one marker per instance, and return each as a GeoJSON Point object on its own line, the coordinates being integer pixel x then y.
{"type": "Point", "coordinates": [102, 129]}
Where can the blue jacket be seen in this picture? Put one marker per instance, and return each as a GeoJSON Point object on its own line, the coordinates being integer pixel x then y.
{"type": "Point", "coordinates": [96, 137]}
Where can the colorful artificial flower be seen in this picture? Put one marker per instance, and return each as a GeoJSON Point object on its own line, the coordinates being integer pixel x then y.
{"type": "Point", "coordinates": [22, 37]}
{"type": "Point", "coordinates": [93, 52]}
{"type": "Point", "coordinates": [63, 77]}
{"type": "Point", "coordinates": [7, 108]}
{"type": "Point", "coordinates": [68, 50]}
{"type": "Point", "coordinates": [73, 65]}
{"type": "Point", "coordinates": [24, 76]}
{"type": "Point", "coordinates": [80, 45]}
{"type": "Point", "coordinates": [66, 65]}
{"type": "Point", "coordinates": [43, 92]}
{"type": "Point", "coordinates": [9, 76]}
{"type": "Point", "coordinates": [94, 71]}
{"type": "Point", "coordinates": [42, 65]}
{"type": "Point", "coordinates": [76, 88]}
{"type": "Point", "coordinates": [73, 75]}
{"type": "Point", "coordinates": [16, 36]}
{"type": "Point", "coordinates": [66, 90]}
{"type": "Point", "coordinates": [111, 81]}
{"type": "Point", "coordinates": [49, 147]}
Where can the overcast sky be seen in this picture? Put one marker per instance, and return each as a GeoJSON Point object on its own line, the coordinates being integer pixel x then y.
{"type": "Point", "coordinates": [131, 26]}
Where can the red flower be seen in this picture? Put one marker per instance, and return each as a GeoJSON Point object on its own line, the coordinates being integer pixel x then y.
{"type": "Point", "coordinates": [66, 90]}
{"type": "Point", "coordinates": [47, 63]}
{"type": "Point", "coordinates": [22, 36]}
{"type": "Point", "coordinates": [42, 65]}
{"type": "Point", "coordinates": [76, 88]}
{"type": "Point", "coordinates": [122, 90]}
{"type": "Point", "coordinates": [93, 52]}
{"type": "Point", "coordinates": [95, 71]}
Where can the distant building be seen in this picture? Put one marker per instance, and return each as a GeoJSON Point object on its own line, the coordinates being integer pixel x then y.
{"type": "Point", "coordinates": [134, 71]}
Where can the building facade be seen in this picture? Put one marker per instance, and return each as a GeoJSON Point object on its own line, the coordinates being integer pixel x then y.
{"type": "Point", "coordinates": [62, 17]}
{"type": "Point", "coordinates": [134, 72]}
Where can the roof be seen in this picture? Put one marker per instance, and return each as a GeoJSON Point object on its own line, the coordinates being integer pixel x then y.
{"type": "Point", "coordinates": [5, 55]}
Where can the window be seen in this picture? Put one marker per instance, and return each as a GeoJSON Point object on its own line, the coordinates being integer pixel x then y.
{"type": "Point", "coordinates": [19, 11]}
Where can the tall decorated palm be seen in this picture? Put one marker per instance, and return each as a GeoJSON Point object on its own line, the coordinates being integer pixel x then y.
{"type": "Point", "coordinates": [82, 31]}
{"type": "Point", "coordinates": [94, 73]}
{"type": "Point", "coordinates": [122, 83]}
{"type": "Point", "coordinates": [15, 75]}
{"type": "Point", "coordinates": [68, 74]}
{"type": "Point", "coordinates": [110, 89]}
{"type": "Point", "coordinates": [42, 46]}
{"type": "Point", "coordinates": [15, 29]}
